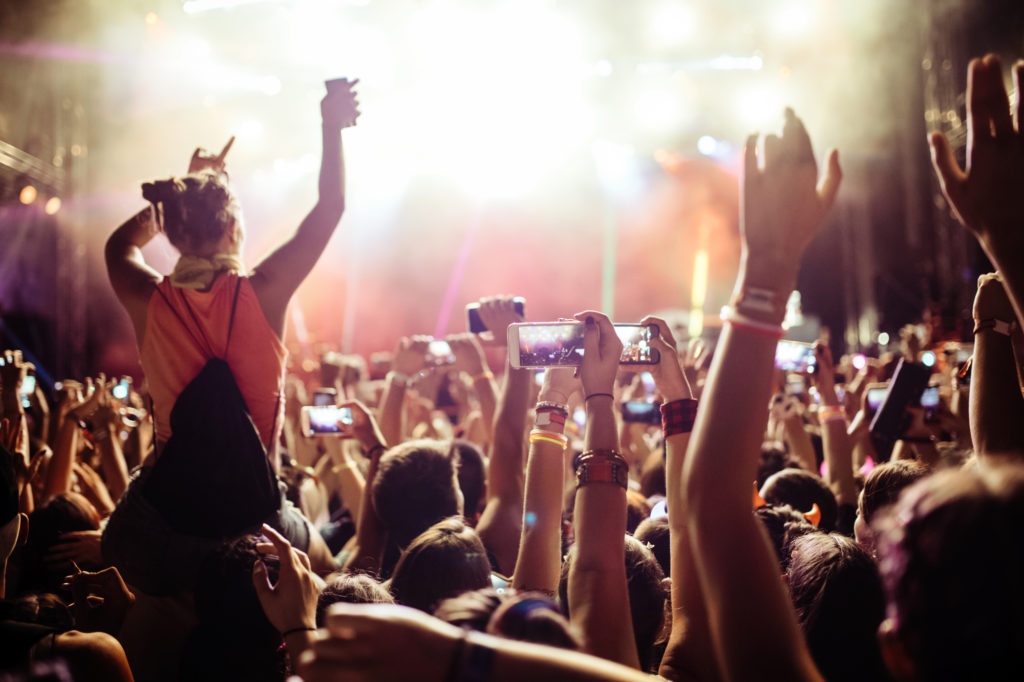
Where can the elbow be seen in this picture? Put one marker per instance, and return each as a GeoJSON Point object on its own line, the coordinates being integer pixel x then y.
{"type": "Point", "coordinates": [332, 208]}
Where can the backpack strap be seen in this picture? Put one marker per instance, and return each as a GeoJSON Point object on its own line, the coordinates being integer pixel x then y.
{"type": "Point", "coordinates": [234, 306]}
{"type": "Point", "coordinates": [176, 313]}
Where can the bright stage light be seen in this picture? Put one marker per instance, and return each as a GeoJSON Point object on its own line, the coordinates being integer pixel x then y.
{"type": "Point", "coordinates": [152, 18]}
{"type": "Point", "coordinates": [672, 24]}
{"type": "Point", "coordinates": [27, 195]}
{"type": "Point", "coordinates": [796, 18]}
{"type": "Point", "coordinates": [52, 206]}
{"type": "Point", "coordinates": [759, 108]}
{"type": "Point", "coordinates": [657, 111]}
{"type": "Point", "coordinates": [883, 339]}
{"type": "Point", "coordinates": [251, 130]}
{"type": "Point", "coordinates": [707, 145]}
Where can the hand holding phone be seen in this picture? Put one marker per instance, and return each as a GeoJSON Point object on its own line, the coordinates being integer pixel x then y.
{"type": "Point", "coordinates": [794, 356]}
{"type": "Point", "coordinates": [475, 322]}
{"type": "Point", "coordinates": [561, 344]}
{"type": "Point", "coordinates": [602, 350]}
{"type": "Point", "coordinates": [326, 420]}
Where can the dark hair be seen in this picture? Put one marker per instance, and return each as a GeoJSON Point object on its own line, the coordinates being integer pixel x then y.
{"type": "Point", "coordinates": [64, 513]}
{"type": "Point", "coordinates": [885, 483]}
{"type": "Point", "coordinates": [952, 563]}
{"type": "Point", "coordinates": [414, 488]}
{"type": "Point", "coordinates": [801, 490]}
{"type": "Point", "coordinates": [234, 639]}
{"type": "Point", "coordinates": [351, 588]}
{"type": "Point", "coordinates": [198, 209]}
{"type": "Point", "coordinates": [774, 459]}
{"type": "Point", "coordinates": [784, 524]}
{"type": "Point", "coordinates": [524, 616]}
{"type": "Point", "coordinates": [652, 476]}
{"type": "Point", "coordinates": [839, 601]}
{"type": "Point", "coordinates": [655, 534]}
{"type": "Point", "coordinates": [647, 596]}
{"type": "Point", "coordinates": [443, 561]}
{"type": "Point", "coordinates": [637, 509]}
{"type": "Point", "coordinates": [472, 474]}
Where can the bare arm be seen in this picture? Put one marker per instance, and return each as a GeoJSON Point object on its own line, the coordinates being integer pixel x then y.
{"type": "Point", "coordinates": [752, 621]}
{"type": "Point", "coordinates": [132, 279]}
{"type": "Point", "coordinates": [598, 595]}
{"type": "Point", "coordinates": [408, 360]}
{"type": "Point", "coordinates": [690, 653]}
{"type": "Point", "coordinates": [540, 546]}
{"type": "Point", "coordinates": [996, 404]}
{"type": "Point", "coordinates": [837, 446]}
{"type": "Point", "coordinates": [281, 272]}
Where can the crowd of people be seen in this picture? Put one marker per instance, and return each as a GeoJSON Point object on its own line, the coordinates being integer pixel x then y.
{"type": "Point", "coordinates": [467, 522]}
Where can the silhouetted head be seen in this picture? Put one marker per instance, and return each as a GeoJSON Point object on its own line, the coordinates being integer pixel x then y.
{"type": "Point", "coordinates": [201, 215]}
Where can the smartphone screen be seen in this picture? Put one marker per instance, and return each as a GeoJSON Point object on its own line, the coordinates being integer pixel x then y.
{"type": "Point", "coordinates": [323, 420]}
{"type": "Point", "coordinates": [637, 411]}
{"type": "Point", "coordinates": [323, 397]}
{"type": "Point", "coordinates": [28, 385]}
{"type": "Point", "coordinates": [120, 391]}
{"type": "Point", "coordinates": [875, 397]}
{"type": "Point", "coordinates": [440, 353]}
{"type": "Point", "coordinates": [793, 356]}
{"type": "Point", "coordinates": [560, 344]}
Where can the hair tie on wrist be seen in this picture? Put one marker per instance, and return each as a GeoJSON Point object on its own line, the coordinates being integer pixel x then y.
{"type": "Point", "coordinates": [292, 631]}
{"type": "Point", "coordinates": [598, 395]}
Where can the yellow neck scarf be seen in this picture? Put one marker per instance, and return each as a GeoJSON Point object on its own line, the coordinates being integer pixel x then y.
{"type": "Point", "coordinates": [196, 272]}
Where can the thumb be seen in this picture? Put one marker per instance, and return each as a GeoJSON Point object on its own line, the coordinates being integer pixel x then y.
{"type": "Point", "coordinates": [946, 166]}
{"type": "Point", "coordinates": [829, 186]}
{"type": "Point", "coordinates": [261, 581]}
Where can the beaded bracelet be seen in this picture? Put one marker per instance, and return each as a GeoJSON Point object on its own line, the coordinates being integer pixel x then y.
{"type": "Point", "coordinates": [678, 416]}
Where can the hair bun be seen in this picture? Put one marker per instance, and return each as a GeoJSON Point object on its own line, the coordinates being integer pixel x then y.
{"type": "Point", "coordinates": [161, 190]}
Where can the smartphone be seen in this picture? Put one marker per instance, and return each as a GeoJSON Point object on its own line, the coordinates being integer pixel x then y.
{"type": "Point", "coordinates": [560, 344]}
{"type": "Point", "coordinates": [875, 397]}
{"type": "Point", "coordinates": [440, 353]}
{"type": "Point", "coordinates": [930, 402]}
{"type": "Point", "coordinates": [122, 388]}
{"type": "Point", "coordinates": [324, 396]}
{"type": "Point", "coordinates": [28, 385]}
{"type": "Point", "coordinates": [892, 419]}
{"type": "Point", "coordinates": [641, 412]}
{"type": "Point", "coordinates": [477, 326]}
{"type": "Point", "coordinates": [324, 420]}
{"type": "Point", "coordinates": [794, 356]}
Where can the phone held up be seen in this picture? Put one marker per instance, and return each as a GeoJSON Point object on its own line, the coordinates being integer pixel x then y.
{"type": "Point", "coordinates": [477, 326]}
{"type": "Point", "coordinates": [794, 356]}
{"type": "Point", "coordinates": [560, 344]}
{"type": "Point", "coordinates": [324, 420]}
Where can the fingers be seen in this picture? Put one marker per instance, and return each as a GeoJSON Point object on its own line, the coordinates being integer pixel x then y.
{"type": "Point", "coordinates": [951, 177]}
{"type": "Point", "coordinates": [664, 331]}
{"type": "Point", "coordinates": [224, 152]}
{"type": "Point", "coordinates": [750, 157]}
{"type": "Point", "coordinates": [1018, 82]}
{"type": "Point", "coordinates": [796, 142]}
{"type": "Point", "coordinates": [992, 93]}
{"type": "Point", "coordinates": [828, 188]}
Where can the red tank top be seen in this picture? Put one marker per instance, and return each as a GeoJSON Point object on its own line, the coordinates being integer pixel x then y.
{"type": "Point", "coordinates": [178, 343]}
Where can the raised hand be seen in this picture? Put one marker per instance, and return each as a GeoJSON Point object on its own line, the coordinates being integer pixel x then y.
{"type": "Point", "coordinates": [469, 355]}
{"type": "Point", "coordinates": [784, 205]}
{"type": "Point", "coordinates": [991, 301]}
{"type": "Point", "coordinates": [988, 196]}
{"type": "Point", "coordinates": [668, 375]}
{"type": "Point", "coordinates": [291, 603]}
{"type": "Point", "coordinates": [410, 356]}
{"type": "Point", "coordinates": [101, 600]}
{"type": "Point", "coordinates": [201, 160]}
{"type": "Point", "coordinates": [13, 370]}
{"type": "Point", "coordinates": [339, 107]}
{"type": "Point", "coordinates": [363, 427]}
{"type": "Point", "coordinates": [497, 313]}
{"type": "Point", "coordinates": [602, 350]}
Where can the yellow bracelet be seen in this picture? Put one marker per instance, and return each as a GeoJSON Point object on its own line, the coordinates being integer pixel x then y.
{"type": "Point", "coordinates": [549, 437]}
{"type": "Point", "coordinates": [338, 468]}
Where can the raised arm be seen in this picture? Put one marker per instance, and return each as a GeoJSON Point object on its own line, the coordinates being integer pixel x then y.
{"type": "Point", "coordinates": [370, 533]}
{"type": "Point", "coordinates": [690, 653]}
{"type": "Point", "coordinates": [540, 545]}
{"type": "Point", "coordinates": [837, 446]}
{"type": "Point", "coordinates": [996, 405]}
{"type": "Point", "coordinates": [502, 518]}
{"type": "Point", "coordinates": [752, 620]}
{"type": "Point", "coordinates": [409, 359]}
{"type": "Point", "coordinates": [281, 272]}
{"type": "Point", "coordinates": [132, 279]}
{"type": "Point", "coordinates": [598, 595]}
{"type": "Point", "coordinates": [988, 197]}
{"type": "Point", "coordinates": [470, 358]}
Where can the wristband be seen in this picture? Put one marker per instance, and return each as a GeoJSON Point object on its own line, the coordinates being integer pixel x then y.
{"type": "Point", "coordinates": [602, 466]}
{"type": "Point", "coordinates": [475, 660]}
{"type": "Point", "coordinates": [549, 406]}
{"type": "Point", "coordinates": [743, 323]}
{"type": "Point", "coordinates": [599, 395]}
{"type": "Point", "coordinates": [998, 326]}
{"type": "Point", "coordinates": [486, 374]}
{"type": "Point", "coordinates": [375, 448]}
{"type": "Point", "coordinates": [678, 417]}
{"type": "Point", "coordinates": [549, 437]}
{"type": "Point", "coordinates": [398, 378]}
{"type": "Point", "coordinates": [292, 631]}
{"type": "Point", "coordinates": [338, 468]}
{"type": "Point", "coordinates": [549, 417]}
{"type": "Point", "coordinates": [829, 413]}
{"type": "Point", "coordinates": [759, 300]}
